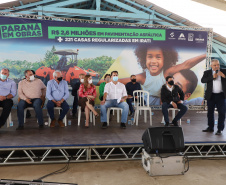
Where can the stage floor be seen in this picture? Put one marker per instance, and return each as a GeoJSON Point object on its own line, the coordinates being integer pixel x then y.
{"type": "Point", "coordinates": [32, 136]}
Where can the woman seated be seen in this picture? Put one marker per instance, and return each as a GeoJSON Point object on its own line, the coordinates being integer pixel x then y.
{"type": "Point", "coordinates": [87, 94]}
{"type": "Point", "coordinates": [107, 78]}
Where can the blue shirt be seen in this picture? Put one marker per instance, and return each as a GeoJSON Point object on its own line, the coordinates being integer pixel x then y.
{"type": "Point", "coordinates": [57, 91]}
{"type": "Point", "coordinates": [8, 87]}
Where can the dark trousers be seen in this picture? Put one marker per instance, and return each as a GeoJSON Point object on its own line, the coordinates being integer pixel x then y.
{"type": "Point", "coordinates": [129, 101]}
{"type": "Point", "coordinates": [218, 101]}
{"type": "Point", "coordinates": [75, 105]}
{"type": "Point", "coordinates": [36, 104]}
{"type": "Point", "coordinates": [166, 106]}
{"type": "Point", "coordinates": [6, 105]}
{"type": "Point", "coordinates": [50, 108]}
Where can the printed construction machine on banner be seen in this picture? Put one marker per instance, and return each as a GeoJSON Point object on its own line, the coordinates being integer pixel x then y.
{"type": "Point", "coordinates": [68, 66]}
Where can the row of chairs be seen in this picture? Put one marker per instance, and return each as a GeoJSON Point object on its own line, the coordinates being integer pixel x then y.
{"type": "Point", "coordinates": [139, 105]}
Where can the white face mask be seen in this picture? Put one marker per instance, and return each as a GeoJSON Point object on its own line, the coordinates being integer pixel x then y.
{"type": "Point", "coordinates": [32, 78]}
{"type": "Point", "coordinates": [90, 81]}
{"type": "Point", "coordinates": [82, 80]}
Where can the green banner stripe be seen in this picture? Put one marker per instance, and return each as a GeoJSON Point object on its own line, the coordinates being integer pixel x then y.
{"type": "Point", "coordinates": [155, 34]}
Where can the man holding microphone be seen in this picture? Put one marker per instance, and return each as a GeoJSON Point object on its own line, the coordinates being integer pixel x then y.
{"type": "Point", "coordinates": [215, 95]}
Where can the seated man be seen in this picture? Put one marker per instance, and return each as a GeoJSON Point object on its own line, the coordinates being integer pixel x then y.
{"type": "Point", "coordinates": [114, 96]}
{"type": "Point", "coordinates": [172, 96]}
{"type": "Point", "coordinates": [7, 92]}
{"type": "Point", "coordinates": [57, 94]}
{"type": "Point", "coordinates": [31, 92]}
{"type": "Point", "coordinates": [130, 87]}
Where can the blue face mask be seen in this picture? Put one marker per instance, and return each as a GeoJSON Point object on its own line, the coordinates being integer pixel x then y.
{"type": "Point", "coordinates": [3, 77]}
{"type": "Point", "coordinates": [115, 78]}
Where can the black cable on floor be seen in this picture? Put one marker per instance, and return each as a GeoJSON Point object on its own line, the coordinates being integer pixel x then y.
{"type": "Point", "coordinates": [62, 170]}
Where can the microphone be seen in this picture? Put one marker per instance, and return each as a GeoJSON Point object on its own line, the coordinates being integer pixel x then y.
{"type": "Point", "coordinates": [217, 71]}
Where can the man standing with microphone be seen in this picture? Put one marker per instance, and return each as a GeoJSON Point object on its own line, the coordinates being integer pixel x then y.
{"type": "Point", "coordinates": [215, 95]}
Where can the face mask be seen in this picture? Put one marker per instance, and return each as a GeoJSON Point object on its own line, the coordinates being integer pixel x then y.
{"type": "Point", "coordinates": [133, 80]}
{"type": "Point", "coordinates": [32, 78]}
{"type": "Point", "coordinates": [3, 77]}
{"type": "Point", "coordinates": [82, 80]}
{"type": "Point", "coordinates": [171, 82]}
{"type": "Point", "coordinates": [90, 81]}
{"type": "Point", "coordinates": [115, 78]}
{"type": "Point", "coordinates": [59, 79]}
{"type": "Point", "coordinates": [108, 79]}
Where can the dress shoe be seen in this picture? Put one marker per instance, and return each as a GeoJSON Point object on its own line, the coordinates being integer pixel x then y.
{"type": "Point", "coordinates": [61, 123]}
{"type": "Point", "coordinates": [218, 132]}
{"type": "Point", "coordinates": [208, 130]}
{"type": "Point", "coordinates": [52, 124]}
{"type": "Point", "coordinates": [105, 125]}
{"type": "Point", "coordinates": [123, 125]}
{"type": "Point", "coordinates": [20, 128]}
{"type": "Point", "coordinates": [175, 123]}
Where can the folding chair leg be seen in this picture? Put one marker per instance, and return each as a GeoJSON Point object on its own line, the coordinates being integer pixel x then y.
{"type": "Point", "coordinates": [163, 121]}
{"type": "Point", "coordinates": [145, 116]}
{"type": "Point", "coordinates": [137, 116]}
{"type": "Point", "coordinates": [150, 118]}
{"type": "Point", "coordinates": [79, 115]}
{"type": "Point", "coordinates": [117, 116]}
{"type": "Point", "coordinates": [108, 116]}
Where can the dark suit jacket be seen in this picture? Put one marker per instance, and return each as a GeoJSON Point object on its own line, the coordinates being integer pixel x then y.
{"type": "Point", "coordinates": [167, 95]}
{"type": "Point", "coordinates": [208, 79]}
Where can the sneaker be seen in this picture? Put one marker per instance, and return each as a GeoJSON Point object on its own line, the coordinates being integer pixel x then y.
{"type": "Point", "coordinates": [105, 125]}
{"type": "Point", "coordinates": [123, 125]}
{"type": "Point", "coordinates": [52, 124]}
{"type": "Point", "coordinates": [218, 132]}
{"type": "Point", "coordinates": [20, 128]}
{"type": "Point", "coordinates": [61, 123]}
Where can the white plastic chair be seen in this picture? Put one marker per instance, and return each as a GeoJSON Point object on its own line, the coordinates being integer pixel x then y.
{"type": "Point", "coordinates": [91, 116]}
{"type": "Point", "coordinates": [173, 114]}
{"type": "Point", "coordinates": [140, 105]}
{"type": "Point", "coordinates": [25, 112]}
{"type": "Point", "coordinates": [65, 117]}
{"type": "Point", "coordinates": [9, 119]}
{"type": "Point", "coordinates": [118, 114]}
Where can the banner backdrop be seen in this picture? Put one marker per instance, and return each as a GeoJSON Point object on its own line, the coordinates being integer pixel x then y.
{"type": "Point", "coordinates": [97, 49]}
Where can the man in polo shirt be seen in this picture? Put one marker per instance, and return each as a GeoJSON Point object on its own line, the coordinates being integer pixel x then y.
{"type": "Point", "coordinates": [7, 92]}
{"type": "Point", "coordinates": [57, 94]}
{"type": "Point", "coordinates": [114, 96]}
{"type": "Point", "coordinates": [31, 92]}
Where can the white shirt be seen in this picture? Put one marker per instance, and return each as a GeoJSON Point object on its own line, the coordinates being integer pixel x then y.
{"type": "Point", "coordinates": [169, 88]}
{"type": "Point", "coordinates": [115, 91]}
{"type": "Point", "coordinates": [217, 86]}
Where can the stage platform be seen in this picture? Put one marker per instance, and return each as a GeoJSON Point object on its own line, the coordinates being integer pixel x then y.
{"type": "Point", "coordinates": [79, 144]}
{"type": "Point", "coordinates": [75, 135]}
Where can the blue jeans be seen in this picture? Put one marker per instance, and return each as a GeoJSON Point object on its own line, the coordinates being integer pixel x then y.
{"type": "Point", "coordinates": [36, 104]}
{"type": "Point", "coordinates": [165, 106]}
{"type": "Point", "coordinates": [113, 103]}
{"type": "Point", "coordinates": [50, 108]}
